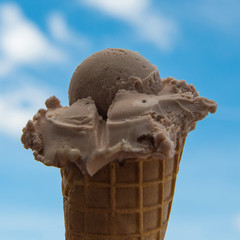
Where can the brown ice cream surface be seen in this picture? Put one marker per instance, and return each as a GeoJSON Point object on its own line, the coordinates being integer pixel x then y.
{"type": "Point", "coordinates": [102, 74]}
{"type": "Point", "coordinates": [138, 125]}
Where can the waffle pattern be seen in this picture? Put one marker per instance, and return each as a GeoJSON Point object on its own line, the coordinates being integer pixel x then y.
{"type": "Point", "coordinates": [128, 201]}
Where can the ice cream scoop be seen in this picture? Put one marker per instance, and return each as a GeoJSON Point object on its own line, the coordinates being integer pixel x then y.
{"type": "Point", "coordinates": [102, 74]}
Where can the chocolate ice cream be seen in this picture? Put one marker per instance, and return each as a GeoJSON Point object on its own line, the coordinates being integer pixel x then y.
{"type": "Point", "coordinates": [118, 145]}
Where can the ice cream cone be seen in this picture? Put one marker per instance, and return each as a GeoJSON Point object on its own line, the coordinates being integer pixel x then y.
{"type": "Point", "coordinates": [123, 201]}
{"type": "Point", "coordinates": [118, 145]}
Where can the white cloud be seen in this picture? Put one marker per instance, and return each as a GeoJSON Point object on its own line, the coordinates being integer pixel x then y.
{"type": "Point", "coordinates": [124, 9]}
{"type": "Point", "coordinates": [150, 25]}
{"type": "Point", "coordinates": [19, 106]}
{"type": "Point", "coordinates": [21, 41]}
{"type": "Point", "coordinates": [158, 30]}
{"type": "Point", "coordinates": [60, 30]}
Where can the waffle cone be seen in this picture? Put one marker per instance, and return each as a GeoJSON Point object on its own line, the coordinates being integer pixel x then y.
{"type": "Point", "coordinates": [123, 201]}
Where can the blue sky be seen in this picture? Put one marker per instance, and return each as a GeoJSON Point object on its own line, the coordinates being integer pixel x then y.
{"type": "Point", "coordinates": [42, 42]}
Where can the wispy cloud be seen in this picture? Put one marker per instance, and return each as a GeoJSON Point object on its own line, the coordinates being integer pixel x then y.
{"type": "Point", "coordinates": [149, 24]}
{"type": "Point", "coordinates": [61, 32]}
{"type": "Point", "coordinates": [18, 106]}
{"type": "Point", "coordinates": [21, 41]}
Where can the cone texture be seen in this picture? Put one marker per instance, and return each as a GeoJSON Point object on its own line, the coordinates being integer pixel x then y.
{"type": "Point", "coordinates": [122, 201]}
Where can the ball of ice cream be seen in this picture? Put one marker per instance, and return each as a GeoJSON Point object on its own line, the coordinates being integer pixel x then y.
{"type": "Point", "coordinates": [102, 74]}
